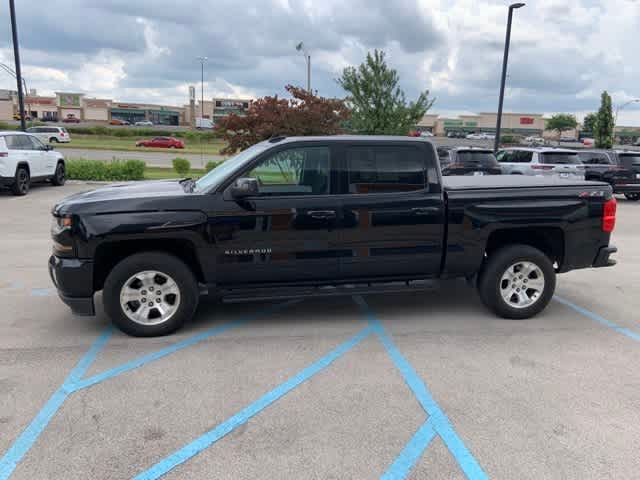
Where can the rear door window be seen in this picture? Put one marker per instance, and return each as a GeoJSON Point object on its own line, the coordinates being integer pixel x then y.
{"type": "Point", "coordinates": [385, 169]}
{"type": "Point", "coordinates": [560, 158]}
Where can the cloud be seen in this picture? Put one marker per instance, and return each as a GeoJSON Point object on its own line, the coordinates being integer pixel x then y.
{"type": "Point", "coordinates": [563, 54]}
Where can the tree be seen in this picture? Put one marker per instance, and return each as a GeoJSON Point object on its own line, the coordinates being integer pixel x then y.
{"type": "Point", "coordinates": [589, 123]}
{"type": "Point", "coordinates": [303, 114]}
{"type": "Point", "coordinates": [378, 104]}
{"type": "Point", "coordinates": [561, 122]}
{"type": "Point", "coordinates": [603, 133]}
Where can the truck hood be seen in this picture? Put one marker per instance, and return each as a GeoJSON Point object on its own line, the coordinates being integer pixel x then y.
{"type": "Point", "coordinates": [137, 195]}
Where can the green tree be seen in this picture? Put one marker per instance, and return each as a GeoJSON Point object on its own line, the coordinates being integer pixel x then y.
{"type": "Point", "coordinates": [603, 133]}
{"type": "Point", "coordinates": [561, 122]}
{"type": "Point", "coordinates": [378, 105]}
{"type": "Point", "coordinates": [589, 123]}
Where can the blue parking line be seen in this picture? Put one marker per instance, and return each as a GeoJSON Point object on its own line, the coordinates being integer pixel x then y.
{"type": "Point", "coordinates": [28, 437]}
{"type": "Point", "coordinates": [151, 357]}
{"type": "Point", "coordinates": [411, 453]}
{"type": "Point", "coordinates": [212, 436]}
{"type": "Point", "coordinates": [597, 318]}
{"type": "Point", "coordinates": [74, 382]}
{"type": "Point", "coordinates": [441, 424]}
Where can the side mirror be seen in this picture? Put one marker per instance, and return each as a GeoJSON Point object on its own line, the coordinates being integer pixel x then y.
{"type": "Point", "coordinates": [48, 147]}
{"type": "Point", "coordinates": [245, 187]}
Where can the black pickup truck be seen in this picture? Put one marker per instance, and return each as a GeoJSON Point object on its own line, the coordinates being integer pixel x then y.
{"type": "Point", "coordinates": [314, 216]}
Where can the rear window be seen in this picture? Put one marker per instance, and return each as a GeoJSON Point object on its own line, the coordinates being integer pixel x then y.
{"type": "Point", "coordinates": [627, 159]}
{"type": "Point", "coordinates": [560, 158]}
{"type": "Point", "coordinates": [594, 158]}
{"type": "Point", "coordinates": [483, 158]}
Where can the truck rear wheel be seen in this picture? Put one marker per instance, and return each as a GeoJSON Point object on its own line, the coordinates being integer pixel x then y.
{"type": "Point", "coordinates": [517, 281]}
{"type": "Point", "coordinates": [150, 294]}
{"type": "Point", "coordinates": [634, 197]}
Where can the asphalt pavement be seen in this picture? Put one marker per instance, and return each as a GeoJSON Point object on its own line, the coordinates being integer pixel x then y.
{"type": "Point", "coordinates": [414, 385]}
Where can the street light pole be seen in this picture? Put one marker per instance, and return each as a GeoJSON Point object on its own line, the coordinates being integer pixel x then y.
{"type": "Point", "coordinates": [621, 107]}
{"type": "Point", "coordinates": [202, 60]}
{"type": "Point", "coordinates": [300, 48]}
{"type": "Point", "coordinates": [16, 55]}
{"type": "Point", "coordinates": [505, 59]}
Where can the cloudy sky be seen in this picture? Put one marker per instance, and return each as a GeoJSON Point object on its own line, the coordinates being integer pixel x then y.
{"type": "Point", "coordinates": [564, 53]}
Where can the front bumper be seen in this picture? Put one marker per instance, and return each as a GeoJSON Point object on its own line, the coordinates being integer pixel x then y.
{"type": "Point", "coordinates": [73, 279]}
{"type": "Point", "coordinates": [602, 259]}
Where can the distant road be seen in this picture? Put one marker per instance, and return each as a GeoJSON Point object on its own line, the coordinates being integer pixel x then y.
{"type": "Point", "coordinates": [151, 158]}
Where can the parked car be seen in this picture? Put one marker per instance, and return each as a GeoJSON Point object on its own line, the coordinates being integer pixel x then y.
{"type": "Point", "coordinates": [567, 139]}
{"type": "Point", "coordinates": [475, 136]}
{"type": "Point", "coordinates": [204, 123]}
{"type": "Point", "coordinates": [378, 212]}
{"type": "Point", "coordinates": [542, 162]}
{"type": "Point", "coordinates": [51, 134]}
{"type": "Point", "coordinates": [71, 119]}
{"type": "Point", "coordinates": [25, 159]}
{"type": "Point", "coordinates": [16, 116]}
{"type": "Point", "coordinates": [588, 142]}
{"type": "Point", "coordinates": [144, 123]}
{"type": "Point", "coordinates": [534, 141]}
{"type": "Point", "coordinates": [414, 133]}
{"type": "Point", "coordinates": [614, 168]}
{"type": "Point", "coordinates": [468, 161]}
{"type": "Point", "coordinates": [456, 134]}
{"type": "Point", "coordinates": [118, 121]}
{"type": "Point", "coordinates": [161, 142]}
{"type": "Point", "coordinates": [426, 134]}
{"type": "Point", "coordinates": [637, 143]}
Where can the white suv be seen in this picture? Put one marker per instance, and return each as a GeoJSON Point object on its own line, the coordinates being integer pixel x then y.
{"type": "Point", "coordinates": [25, 159]}
{"type": "Point", "coordinates": [51, 134]}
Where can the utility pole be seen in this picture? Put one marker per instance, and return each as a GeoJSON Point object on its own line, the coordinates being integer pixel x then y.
{"type": "Point", "coordinates": [16, 55]}
{"type": "Point", "coordinates": [301, 48]}
{"type": "Point", "coordinates": [202, 60]}
{"type": "Point", "coordinates": [505, 59]}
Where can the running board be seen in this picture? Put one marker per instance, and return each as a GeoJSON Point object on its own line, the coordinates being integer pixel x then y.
{"type": "Point", "coordinates": [283, 293]}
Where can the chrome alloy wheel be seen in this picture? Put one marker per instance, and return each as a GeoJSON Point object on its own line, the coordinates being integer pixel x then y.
{"type": "Point", "coordinates": [522, 284]}
{"type": "Point", "coordinates": [150, 297]}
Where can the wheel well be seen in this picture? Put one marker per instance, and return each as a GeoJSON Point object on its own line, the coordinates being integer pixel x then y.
{"type": "Point", "coordinates": [110, 254]}
{"type": "Point", "coordinates": [549, 240]}
{"type": "Point", "coordinates": [23, 164]}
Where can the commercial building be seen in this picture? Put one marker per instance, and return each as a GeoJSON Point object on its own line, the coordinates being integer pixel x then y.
{"type": "Point", "coordinates": [517, 123]}
{"type": "Point", "coordinates": [217, 108]}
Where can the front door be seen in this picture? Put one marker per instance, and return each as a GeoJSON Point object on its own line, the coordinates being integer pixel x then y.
{"type": "Point", "coordinates": [392, 211]}
{"type": "Point", "coordinates": [287, 233]}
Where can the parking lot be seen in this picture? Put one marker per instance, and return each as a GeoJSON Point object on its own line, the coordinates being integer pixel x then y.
{"type": "Point", "coordinates": [414, 385]}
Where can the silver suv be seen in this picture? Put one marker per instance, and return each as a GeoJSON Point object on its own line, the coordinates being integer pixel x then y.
{"type": "Point", "coordinates": [542, 162]}
{"type": "Point", "coordinates": [50, 134]}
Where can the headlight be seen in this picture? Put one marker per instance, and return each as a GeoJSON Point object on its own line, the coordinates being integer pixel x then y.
{"type": "Point", "coordinates": [60, 224]}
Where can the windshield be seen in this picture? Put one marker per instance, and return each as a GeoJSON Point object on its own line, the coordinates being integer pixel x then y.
{"type": "Point", "coordinates": [484, 158]}
{"type": "Point", "coordinates": [560, 158]}
{"type": "Point", "coordinates": [216, 176]}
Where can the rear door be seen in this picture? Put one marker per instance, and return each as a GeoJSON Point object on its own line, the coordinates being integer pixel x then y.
{"type": "Point", "coordinates": [21, 148]}
{"type": "Point", "coordinates": [392, 212]}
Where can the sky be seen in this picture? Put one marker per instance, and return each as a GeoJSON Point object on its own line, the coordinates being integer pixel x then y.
{"type": "Point", "coordinates": [563, 54]}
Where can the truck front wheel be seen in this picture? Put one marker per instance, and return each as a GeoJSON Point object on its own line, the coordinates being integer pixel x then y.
{"type": "Point", "coordinates": [150, 294]}
{"type": "Point", "coordinates": [517, 281]}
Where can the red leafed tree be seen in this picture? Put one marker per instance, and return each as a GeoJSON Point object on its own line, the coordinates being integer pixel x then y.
{"type": "Point", "coordinates": [303, 114]}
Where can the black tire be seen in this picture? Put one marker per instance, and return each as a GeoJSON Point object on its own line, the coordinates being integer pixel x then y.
{"type": "Point", "coordinates": [497, 264]}
{"type": "Point", "coordinates": [634, 197]}
{"type": "Point", "coordinates": [60, 176]}
{"type": "Point", "coordinates": [161, 262]}
{"type": "Point", "coordinates": [53, 140]}
{"type": "Point", "coordinates": [21, 182]}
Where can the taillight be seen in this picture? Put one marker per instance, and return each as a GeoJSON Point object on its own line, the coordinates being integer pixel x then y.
{"type": "Point", "coordinates": [4, 154]}
{"type": "Point", "coordinates": [609, 215]}
{"type": "Point", "coordinates": [62, 134]}
{"type": "Point", "coordinates": [542, 167]}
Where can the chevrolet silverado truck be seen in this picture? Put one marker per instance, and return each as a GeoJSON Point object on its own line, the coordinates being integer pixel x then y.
{"type": "Point", "coordinates": [322, 216]}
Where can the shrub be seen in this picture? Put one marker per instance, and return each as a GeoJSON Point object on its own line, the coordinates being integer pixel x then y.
{"type": "Point", "coordinates": [4, 126]}
{"type": "Point", "coordinates": [116, 170]}
{"type": "Point", "coordinates": [508, 139]}
{"type": "Point", "coordinates": [181, 165]}
{"type": "Point", "coordinates": [210, 166]}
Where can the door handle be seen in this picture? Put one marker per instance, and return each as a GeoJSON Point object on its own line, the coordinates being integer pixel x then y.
{"type": "Point", "coordinates": [425, 210]}
{"type": "Point", "coordinates": [322, 214]}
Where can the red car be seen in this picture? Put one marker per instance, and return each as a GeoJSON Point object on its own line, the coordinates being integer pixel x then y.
{"type": "Point", "coordinates": [161, 142]}
{"type": "Point", "coordinates": [71, 119]}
